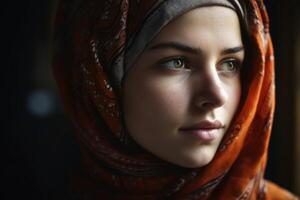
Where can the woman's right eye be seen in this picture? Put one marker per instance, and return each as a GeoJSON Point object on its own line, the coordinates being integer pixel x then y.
{"type": "Point", "coordinates": [174, 63]}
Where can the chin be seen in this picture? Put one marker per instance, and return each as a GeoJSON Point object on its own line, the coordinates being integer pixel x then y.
{"type": "Point", "coordinates": [195, 162]}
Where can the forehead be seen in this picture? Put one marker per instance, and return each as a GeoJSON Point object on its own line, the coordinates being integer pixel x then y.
{"type": "Point", "coordinates": [212, 23]}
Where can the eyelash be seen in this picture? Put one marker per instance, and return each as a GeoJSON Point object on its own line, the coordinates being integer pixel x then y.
{"type": "Point", "coordinates": [236, 63]}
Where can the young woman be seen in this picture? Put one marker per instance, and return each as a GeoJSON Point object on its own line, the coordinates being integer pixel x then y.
{"type": "Point", "coordinates": [171, 99]}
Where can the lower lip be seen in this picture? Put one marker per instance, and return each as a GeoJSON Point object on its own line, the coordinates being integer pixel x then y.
{"type": "Point", "coordinates": [203, 134]}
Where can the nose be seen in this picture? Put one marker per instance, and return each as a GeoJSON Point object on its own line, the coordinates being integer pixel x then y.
{"type": "Point", "coordinates": [211, 92]}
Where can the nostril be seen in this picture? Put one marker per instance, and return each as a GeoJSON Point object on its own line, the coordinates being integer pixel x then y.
{"type": "Point", "coordinates": [207, 105]}
{"type": "Point", "coordinates": [212, 92]}
{"type": "Point", "coordinates": [210, 100]}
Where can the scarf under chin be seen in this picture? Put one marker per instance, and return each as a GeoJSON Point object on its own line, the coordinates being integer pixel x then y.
{"type": "Point", "coordinates": [98, 42]}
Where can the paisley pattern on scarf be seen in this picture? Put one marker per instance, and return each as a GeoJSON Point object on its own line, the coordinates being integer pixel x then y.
{"type": "Point", "coordinates": [94, 41]}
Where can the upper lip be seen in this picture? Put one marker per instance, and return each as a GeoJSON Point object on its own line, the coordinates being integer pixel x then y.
{"type": "Point", "coordinates": [204, 125]}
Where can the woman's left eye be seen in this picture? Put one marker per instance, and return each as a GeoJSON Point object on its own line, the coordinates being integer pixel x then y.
{"type": "Point", "coordinates": [229, 66]}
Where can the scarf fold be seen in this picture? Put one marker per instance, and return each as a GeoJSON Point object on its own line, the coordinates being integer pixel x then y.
{"type": "Point", "coordinates": [98, 42]}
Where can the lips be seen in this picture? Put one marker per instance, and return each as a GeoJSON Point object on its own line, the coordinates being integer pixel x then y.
{"type": "Point", "coordinates": [205, 130]}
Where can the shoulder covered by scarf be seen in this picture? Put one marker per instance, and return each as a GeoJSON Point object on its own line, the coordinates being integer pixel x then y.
{"type": "Point", "coordinates": [95, 37]}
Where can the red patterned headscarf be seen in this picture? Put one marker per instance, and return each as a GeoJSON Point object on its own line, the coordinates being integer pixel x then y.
{"type": "Point", "coordinates": [98, 41]}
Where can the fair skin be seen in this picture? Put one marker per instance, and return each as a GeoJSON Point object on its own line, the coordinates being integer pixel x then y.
{"type": "Point", "coordinates": [182, 93]}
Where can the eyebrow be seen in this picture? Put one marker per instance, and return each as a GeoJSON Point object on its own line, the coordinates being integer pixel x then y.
{"type": "Point", "coordinates": [188, 49]}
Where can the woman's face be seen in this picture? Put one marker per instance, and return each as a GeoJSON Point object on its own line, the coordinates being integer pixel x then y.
{"type": "Point", "coordinates": [182, 93]}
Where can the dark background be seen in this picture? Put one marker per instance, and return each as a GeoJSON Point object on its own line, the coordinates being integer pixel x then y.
{"type": "Point", "coordinates": [37, 147]}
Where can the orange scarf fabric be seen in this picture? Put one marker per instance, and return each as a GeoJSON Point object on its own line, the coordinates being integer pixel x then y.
{"type": "Point", "coordinates": [93, 36]}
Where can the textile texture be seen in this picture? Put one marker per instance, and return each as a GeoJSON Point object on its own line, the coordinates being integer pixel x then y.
{"type": "Point", "coordinates": [95, 42]}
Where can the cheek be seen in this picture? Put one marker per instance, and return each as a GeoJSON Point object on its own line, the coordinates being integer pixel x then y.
{"type": "Point", "coordinates": [156, 104]}
{"type": "Point", "coordinates": [234, 94]}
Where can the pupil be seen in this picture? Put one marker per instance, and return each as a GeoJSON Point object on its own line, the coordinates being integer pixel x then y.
{"type": "Point", "coordinates": [178, 63]}
{"type": "Point", "coordinates": [230, 66]}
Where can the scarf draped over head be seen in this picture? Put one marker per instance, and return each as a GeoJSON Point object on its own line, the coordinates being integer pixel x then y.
{"type": "Point", "coordinates": [98, 42]}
